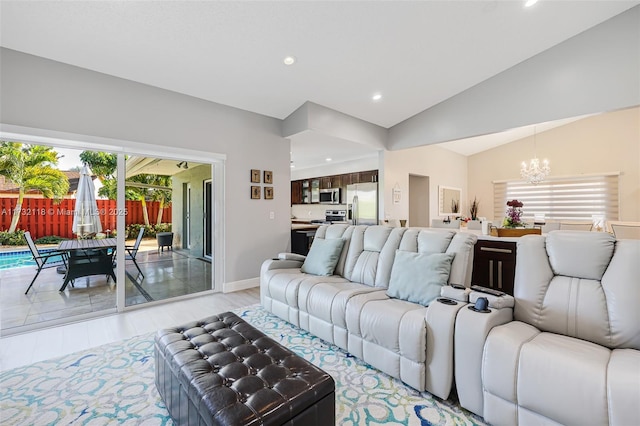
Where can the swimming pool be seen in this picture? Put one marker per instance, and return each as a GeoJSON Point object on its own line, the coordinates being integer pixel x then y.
{"type": "Point", "coordinates": [19, 259]}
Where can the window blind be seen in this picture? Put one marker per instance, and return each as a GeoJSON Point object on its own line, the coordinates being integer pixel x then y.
{"type": "Point", "coordinates": [567, 198]}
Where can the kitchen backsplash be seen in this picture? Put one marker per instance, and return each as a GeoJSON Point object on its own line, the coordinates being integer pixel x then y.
{"type": "Point", "coordinates": [313, 211]}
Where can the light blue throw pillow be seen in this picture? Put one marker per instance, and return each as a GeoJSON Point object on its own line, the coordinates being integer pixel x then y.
{"type": "Point", "coordinates": [418, 277]}
{"type": "Point", "coordinates": [323, 256]}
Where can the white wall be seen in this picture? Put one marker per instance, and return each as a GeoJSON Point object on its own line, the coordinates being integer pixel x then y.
{"type": "Point", "coordinates": [36, 92]}
{"type": "Point", "coordinates": [443, 167]}
{"type": "Point", "coordinates": [598, 144]}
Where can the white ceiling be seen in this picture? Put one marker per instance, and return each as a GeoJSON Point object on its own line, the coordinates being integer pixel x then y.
{"type": "Point", "coordinates": [474, 145]}
{"type": "Point", "coordinates": [312, 149]}
{"type": "Point", "coordinates": [415, 53]}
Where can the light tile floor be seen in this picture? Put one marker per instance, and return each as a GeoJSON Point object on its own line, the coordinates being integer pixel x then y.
{"type": "Point", "coordinates": [27, 348]}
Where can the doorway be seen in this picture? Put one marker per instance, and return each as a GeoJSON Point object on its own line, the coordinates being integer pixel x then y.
{"type": "Point", "coordinates": [419, 201]}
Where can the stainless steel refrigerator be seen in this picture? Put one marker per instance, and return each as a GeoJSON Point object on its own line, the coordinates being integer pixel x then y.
{"type": "Point", "coordinates": [362, 203]}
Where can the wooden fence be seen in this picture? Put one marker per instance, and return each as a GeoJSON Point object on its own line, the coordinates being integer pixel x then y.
{"type": "Point", "coordinates": [43, 217]}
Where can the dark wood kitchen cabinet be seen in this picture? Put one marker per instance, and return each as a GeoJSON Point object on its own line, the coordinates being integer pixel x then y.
{"type": "Point", "coordinates": [296, 192]}
{"type": "Point", "coordinates": [330, 182]}
{"type": "Point", "coordinates": [368, 176]}
{"type": "Point", "coordinates": [359, 177]}
{"type": "Point", "coordinates": [494, 265]}
{"type": "Point", "coordinates": [305, 191]}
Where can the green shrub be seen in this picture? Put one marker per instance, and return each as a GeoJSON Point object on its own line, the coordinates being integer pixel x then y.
{"type": "Point", "coordinates": [50, 239]}
{"type": "Point", "coordinates": [12, 238]}
{"type": "Point", "coordinates": [163, 227]}
{"type": "Point", "coordinates": [150, 231]}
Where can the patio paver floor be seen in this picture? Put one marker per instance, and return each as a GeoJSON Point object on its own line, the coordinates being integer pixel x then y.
{"type": "Point", "coordinates": [167, 274]}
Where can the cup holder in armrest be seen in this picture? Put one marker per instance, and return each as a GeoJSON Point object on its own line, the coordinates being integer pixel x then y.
{"type": "Point", "coordinates": [481, 305]}
{"type": "Point", "coordinates": [446, 301]}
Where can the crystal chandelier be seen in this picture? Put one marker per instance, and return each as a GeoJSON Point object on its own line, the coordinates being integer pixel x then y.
{"type": "Point", "coordinates": [535, 172]}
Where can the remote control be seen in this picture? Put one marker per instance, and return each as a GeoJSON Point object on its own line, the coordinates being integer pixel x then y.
{"type": "Point", "coordinates": [457, 286]}
{"type": "Point", "coordinates": [488, 290]}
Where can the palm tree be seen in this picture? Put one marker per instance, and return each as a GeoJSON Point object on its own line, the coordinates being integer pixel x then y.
{"type": "Point", "coordinates": [30, 167]}
{"type": "Point", "coordinates": [154, 194]}
{"type": "Point", "coordinates": [163, 196]}
{"type": "Point", "coordinates": [104, 165]}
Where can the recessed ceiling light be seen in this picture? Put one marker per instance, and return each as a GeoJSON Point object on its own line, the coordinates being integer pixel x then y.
{"type": "Point", "coordinates": [328, 159]}
{"type": "Point", "coordinates": [289, 60]}
{"type": "Point", "coordinates": [530, 3]}
{"type": "Point", "coordinates": [293, 165]}
{"type": "Point", "coordinates": [376, 97]}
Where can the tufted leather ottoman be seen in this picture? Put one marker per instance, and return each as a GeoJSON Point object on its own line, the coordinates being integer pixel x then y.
{"type": "Point", "coordinates": [222, 371]}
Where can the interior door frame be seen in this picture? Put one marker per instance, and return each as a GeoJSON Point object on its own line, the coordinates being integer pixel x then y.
{"type": "Point", "coordinates": [208, 218]}
{"type": "Point", "coordinates": [186, 212]}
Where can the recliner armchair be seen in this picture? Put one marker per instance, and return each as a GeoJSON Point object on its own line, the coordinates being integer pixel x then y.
{"type": "Point", "coordinates": [571, 354]}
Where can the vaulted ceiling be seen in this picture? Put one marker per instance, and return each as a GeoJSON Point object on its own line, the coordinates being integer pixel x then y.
{"type": "Point", "coordinates": [415, 53]}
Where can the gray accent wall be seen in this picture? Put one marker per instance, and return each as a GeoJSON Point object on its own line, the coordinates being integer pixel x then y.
{"type": "Point", "coordinates": [40, 93]}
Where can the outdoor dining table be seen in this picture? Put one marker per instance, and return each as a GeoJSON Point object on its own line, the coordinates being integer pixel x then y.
{"type": "Point", "coordinates": [88, 257]}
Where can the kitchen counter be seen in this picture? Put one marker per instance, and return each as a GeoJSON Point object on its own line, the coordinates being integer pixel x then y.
{"type": "Point", "coordinates": [304, 226]}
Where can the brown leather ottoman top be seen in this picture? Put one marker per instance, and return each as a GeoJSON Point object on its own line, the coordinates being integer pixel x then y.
{"type": "Point", "coordinates": [221, 370]}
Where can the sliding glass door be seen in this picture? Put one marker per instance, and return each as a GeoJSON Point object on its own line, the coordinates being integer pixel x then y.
{"type": "Point", "coordinates": [167, 261]}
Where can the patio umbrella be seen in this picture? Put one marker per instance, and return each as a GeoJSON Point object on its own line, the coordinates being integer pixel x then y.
{"type": "Point", "coordinates": [86, 218]}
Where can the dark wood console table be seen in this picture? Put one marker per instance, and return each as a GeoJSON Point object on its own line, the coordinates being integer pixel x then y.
{"type": "Point", "coordinates": [494, 264]}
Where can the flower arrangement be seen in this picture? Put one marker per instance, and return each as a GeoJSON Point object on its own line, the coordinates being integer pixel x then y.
{"type": "Point", "coordinates": [514, 214]}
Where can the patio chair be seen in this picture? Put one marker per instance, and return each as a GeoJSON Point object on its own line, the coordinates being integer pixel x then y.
{"type": "Point", "coordinates": [43, 260]}
{"type": "Point", "coordinates": [132, 251]}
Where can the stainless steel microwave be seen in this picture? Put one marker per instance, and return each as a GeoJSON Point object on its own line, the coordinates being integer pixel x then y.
{"type": "Point", "coordinates": [330, 196]}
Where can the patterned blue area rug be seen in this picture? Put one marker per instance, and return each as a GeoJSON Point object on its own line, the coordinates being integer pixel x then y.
{"type": "Point", "coordinates": [114, 384]}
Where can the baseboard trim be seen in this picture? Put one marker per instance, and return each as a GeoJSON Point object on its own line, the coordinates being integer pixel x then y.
{"type": "Point", "coordinates": [240, 285]}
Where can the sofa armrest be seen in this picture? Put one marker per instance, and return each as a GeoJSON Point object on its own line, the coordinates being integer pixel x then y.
{"type": "Point", "coordinates": [440, 321]}
{"type": "Point", "coordinates": [497, 302]}
{"type": "Point", "coordinates": [270, 264]}
{"type": "Point", "coordinates": [471, 330]}
{"type": "Point", "coordinates": [291, 256]}
{"type": "Point", "coordinates": [455, 293]}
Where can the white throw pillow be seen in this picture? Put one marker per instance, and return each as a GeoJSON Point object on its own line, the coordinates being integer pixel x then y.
{"type": "Point", "coordinates": [418, 277]}
{"type": "Point", "coordinates": [323, 256]}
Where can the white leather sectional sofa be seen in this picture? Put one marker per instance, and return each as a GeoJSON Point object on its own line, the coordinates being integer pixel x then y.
{"type": "Point", "coordinates": [568, 352]}
{"type": "Point", "coordinates": [352, 309]}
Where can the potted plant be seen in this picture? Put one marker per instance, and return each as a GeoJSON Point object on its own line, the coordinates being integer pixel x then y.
{"type": "Point", "coordinates": [473, 209]}
{"type": "Point", "coordinates": [512, 225]}
{"type": "Point", "coordinates": [514, 215]}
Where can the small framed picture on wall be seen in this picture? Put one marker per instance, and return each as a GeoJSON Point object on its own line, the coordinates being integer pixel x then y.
{"type": "Point", "coordinates": [255, 192]}
{"type": "Point", "coordinates": [255, 176]}
{"type": "Point", "coordinates": [268, 176]}
{"type": "Point", "coordinates": [268, 192]}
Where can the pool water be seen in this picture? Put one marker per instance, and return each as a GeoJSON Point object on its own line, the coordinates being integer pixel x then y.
{"type": "Point", "coordinates": [19, 259]}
